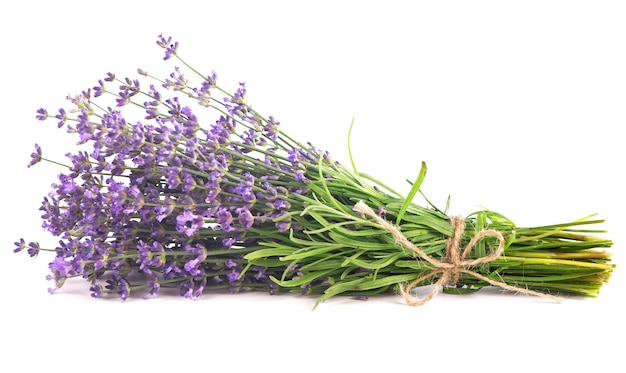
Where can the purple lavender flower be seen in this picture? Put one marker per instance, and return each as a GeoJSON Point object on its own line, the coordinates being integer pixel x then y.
{"type": "Point", "coordinates": [281, 204]}
{"type": "Point", "coordinates": [96, 291]}
{"type": "Point", "coordinates": [20, 245]}
{"type": "Point", "coordinates": [295, 155]}
{"type": "Point", "coordinates": [123, 99]}
{"type": "Point", "coordinates": [235, 105]}
{"type": "Point", "coordinates": [42, 114]}
{"type": "Point", "coordinates": [192, 288]}
{"type": "Point", "coordinates": [171, 270]}
{"type": "Point", "coordinates": [188, 223]}
{"type": "Point", "coordinates": [224, 219]}
{"type": "Point", "coordinates": [62, 117]}
{"type": "Point", "coordinates": [233, 276]}
{"type": "Point", "coordinates": [200, 288]}
{"type": "Point", "coordinates": [179, 83]}
{"type": "Point", "coordinates": [123, 288]}
{"type": "Point", "coordinates": [245, 218]}
{"type": "Point", "coordinates": [33, 249]}
{"type": "Point", "coordinates": [210, 81]}
{"type": "Point", "coordinates": [36, 156]}
{"type": "Point", "coordinates": [99, 89]}
{"type": "Point", "coordinates": [283, 224]}
{"type": "Point", "coordinates": [261, 273]}
{"type": "Point", "coordinates": [173, 177]}
{"type": "Point", "coordinates": [165, 209]}
{"type": "Point", "coordinates": [144, 257]}
{"type": "Point", "coordinates": [189, 183]}
{"type": "Point", "coordinates": [300, 176]}
{"type": "Point", "coordinates": [130, 87]}
{"type": "Point", "coordinates": [271, 194]}
{"type": "Point", "coordinates": [170, 49]}
{"type": "Point", "coordinates": [193, 267]}
{"type": "Point", "coordinates": [155, 286]}
{"type": "Point", "coordinates": [230, 264]}
{"type": "Point", "coordinates": [60, 267]}
{"type": "Point", "coordinates": [271, 128]}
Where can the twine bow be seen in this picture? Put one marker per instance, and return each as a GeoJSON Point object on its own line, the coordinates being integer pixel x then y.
{"type": "Point", "coordinates": [454, 262]}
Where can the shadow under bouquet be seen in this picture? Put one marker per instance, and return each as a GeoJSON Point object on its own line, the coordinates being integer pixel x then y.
{"type": "Point", "coordinates": [162, 199]}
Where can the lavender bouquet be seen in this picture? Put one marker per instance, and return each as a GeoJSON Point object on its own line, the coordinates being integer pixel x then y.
{"type": "Point", "coordinates": [156, 198]}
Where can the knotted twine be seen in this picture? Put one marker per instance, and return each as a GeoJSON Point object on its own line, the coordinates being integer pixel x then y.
{"type": "Point", "coordinates": [454, 262]}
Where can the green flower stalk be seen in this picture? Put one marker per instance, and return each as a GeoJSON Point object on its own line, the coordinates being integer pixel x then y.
{"type": "Point", "coordinates": [161, 199]}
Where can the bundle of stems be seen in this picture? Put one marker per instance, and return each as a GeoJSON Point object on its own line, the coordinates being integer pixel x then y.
{"type": "Point", "coordinates": [167, 200]}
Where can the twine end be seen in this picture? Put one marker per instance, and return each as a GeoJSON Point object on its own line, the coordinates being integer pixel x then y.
{"type": "Point", "coordinates": [361, 207]}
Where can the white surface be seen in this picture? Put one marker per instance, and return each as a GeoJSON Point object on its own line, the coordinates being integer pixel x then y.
{"type": "Point", "coordinates": [516, 106]}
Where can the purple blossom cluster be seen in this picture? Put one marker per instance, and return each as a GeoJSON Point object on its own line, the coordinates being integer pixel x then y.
{"type": "Point", "coordinates": [167, 200]}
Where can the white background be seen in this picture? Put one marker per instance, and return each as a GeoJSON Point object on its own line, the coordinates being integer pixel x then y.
{"type": "Point", "coordinates": [515, 106]}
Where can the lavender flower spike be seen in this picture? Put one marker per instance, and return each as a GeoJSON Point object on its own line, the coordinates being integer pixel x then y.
{"type": "Point", "coordinates": [36, 156]}
{"type": "Point", "coordinates": [188, 223]}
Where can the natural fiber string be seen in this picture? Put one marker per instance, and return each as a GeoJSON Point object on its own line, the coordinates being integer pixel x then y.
{"type": "Point", "coordinates": [454, 262]}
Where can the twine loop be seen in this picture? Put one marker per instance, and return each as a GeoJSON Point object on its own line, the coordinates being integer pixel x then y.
{"type": "Point", "coordinates": [454, 262]}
